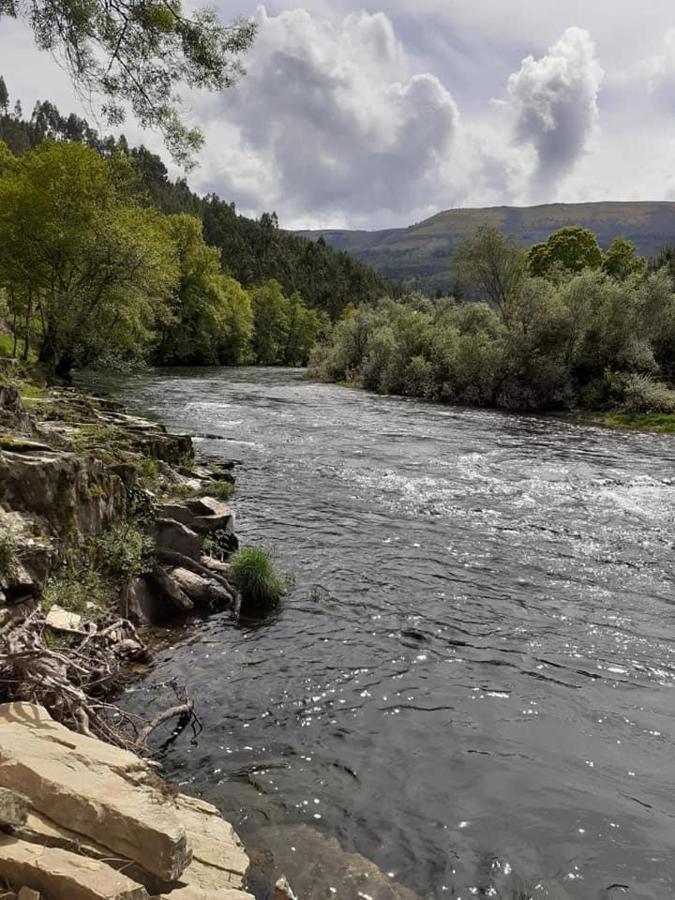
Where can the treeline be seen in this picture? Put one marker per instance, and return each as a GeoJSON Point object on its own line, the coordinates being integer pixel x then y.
{"type": "Point", "coordinates": [251, 250]}
{"type": "Point", "coordinates": [89, 273]}
{"type": "Point", "coordinates": [559, 326]}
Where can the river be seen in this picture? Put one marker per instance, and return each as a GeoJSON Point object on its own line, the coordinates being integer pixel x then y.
{"type": "Point", "coordinates": [471, 681]}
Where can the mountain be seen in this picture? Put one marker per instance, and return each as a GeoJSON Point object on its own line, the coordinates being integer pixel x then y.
{"type": "Point", "coordinates": [421, 255]}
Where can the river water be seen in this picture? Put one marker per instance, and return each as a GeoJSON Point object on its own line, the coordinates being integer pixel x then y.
{"type": "Point", "coordinates": [471, 682]}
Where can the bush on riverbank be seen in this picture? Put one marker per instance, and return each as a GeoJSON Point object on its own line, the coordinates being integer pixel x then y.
{"type": "Point", "coordinates": [581, 339]}
{"type": "Point", "coordinates": [253, 574]}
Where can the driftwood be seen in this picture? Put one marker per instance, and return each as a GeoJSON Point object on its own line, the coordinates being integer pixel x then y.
{"type": "Point", "coordinates": [74, 677]}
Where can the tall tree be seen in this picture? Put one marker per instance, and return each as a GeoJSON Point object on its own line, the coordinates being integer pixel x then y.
{"type": "Point", "coordinates": [493, 264]}
{"type": "Point", "coordinates": [139, 52]}
{"type": "Point", "coordinates": [97, 267]}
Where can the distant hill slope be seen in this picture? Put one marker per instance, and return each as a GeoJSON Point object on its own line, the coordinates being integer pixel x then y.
{"type": "Point", "coordinates": [421, 256]}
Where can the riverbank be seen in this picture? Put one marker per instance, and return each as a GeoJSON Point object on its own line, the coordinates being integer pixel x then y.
{"type": "Point", "coordinates": [108, 527]}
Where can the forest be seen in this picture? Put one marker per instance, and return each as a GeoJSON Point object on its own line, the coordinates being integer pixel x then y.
{"type": "Point", "coordinates": [105, 261]}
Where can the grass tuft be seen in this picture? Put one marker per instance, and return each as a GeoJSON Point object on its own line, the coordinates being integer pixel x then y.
{"type": "Point", "coordinates": [253, 574]}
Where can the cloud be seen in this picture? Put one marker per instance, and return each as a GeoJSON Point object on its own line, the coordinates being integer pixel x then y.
{"type": "Point", "coordinates": [334, 114]}
{"type": "Point", "coordinates": [555, 103]}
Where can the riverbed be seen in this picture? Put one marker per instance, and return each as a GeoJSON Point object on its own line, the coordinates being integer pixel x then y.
{"type": "Point", "coordinates": [471, 680]}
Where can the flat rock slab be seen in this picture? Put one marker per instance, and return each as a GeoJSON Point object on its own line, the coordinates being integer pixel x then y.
{"type": "Point", "coordinates": [62, 620]}
{"type": "Point", "coordinates": [218, 856]}
{"type": "Point", "coordinates": [99, 791]}
{"type": "Point", "coordinates": [61, 875]}
{"type": "Point", "coordinates": [191, 893]}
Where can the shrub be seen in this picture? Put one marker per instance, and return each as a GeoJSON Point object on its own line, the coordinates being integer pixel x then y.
{"type": "Point", "coordinates": [7, 551]}
{"type": "Point", "coordinates": [641, 394]}
{"type": "Point", "coordinates": [123, 552]}
{"type": "Point", "coordinates": [253, 574]}
{"type": "Point", "coordinates": [220, 490]}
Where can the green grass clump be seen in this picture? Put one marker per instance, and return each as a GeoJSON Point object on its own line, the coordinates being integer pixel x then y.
{"type": "Point", "coordinates": [253, 574]}
{"type": "Point", "coordinates": [8, 560]}
{"type": "Point", "coordinates": [220, 490]}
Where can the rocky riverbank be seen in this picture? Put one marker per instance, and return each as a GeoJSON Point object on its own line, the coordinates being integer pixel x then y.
{"type": "Point", "coordinates": [107, 527]}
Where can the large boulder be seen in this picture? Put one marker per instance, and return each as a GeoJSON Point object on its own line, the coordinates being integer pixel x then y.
{"type": "Point", "coordinates": [173, 537]}
{"type": "Point", "coordinates": [61, 875]}
{"type": "Point", "coordinates": [62, 492]}
{"type": "Point", "coordinates": [89, 799]}
{"type": "Point", "coordinates": [93, 788]}
{"type": "Point", "coordinates": [203, 591]}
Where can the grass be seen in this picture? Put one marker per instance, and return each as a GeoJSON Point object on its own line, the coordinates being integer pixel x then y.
{"type": "Point", "coordinates": [253, 574]}
{"type": "Point", "coordinates": [663, 423]}
{"type": "Point", "coordinates": [76, 589]}
{"type": "Point", "coordinates": [219, 490]}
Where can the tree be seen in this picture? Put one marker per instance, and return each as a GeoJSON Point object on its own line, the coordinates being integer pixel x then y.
{"type": "Point", "coordinates": [270, 316]}
{"type": "Point", "coordinates": [570, 249]}
{"type": "Point", "coordinates": [493, 264]}
{"type": "Point", "coordinates": [621, 260]}
{"type": "Point", "coordinates": [96, 267]}
{"type": "Point", "coordinates": [139, 52]}
{"type": "Point", "coordinates": [4, 97]}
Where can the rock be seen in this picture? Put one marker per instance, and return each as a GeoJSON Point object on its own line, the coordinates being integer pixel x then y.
{"type": "Point", "coordinates": [60, 619]}
{"type": "Point", "coordinates": [215, 565]}
{"type": "Point", "coordinates": [211, 515]}
{"type": "Point", "coordinates": [61, 491]}
{"type": "Point", "coordinates": [167, 586]}
{"type": "Point", "coordinates": [282, 890]}
{"type": "Point", "coordinates": [203, 591]}
{"type": "Point", "coordinates": [218, 857]}
{"type": "Point", "coordinates": [61, 875]}
{"type": "Point", "coordinates": [141, 603]}
{"type": "Point", "coordinates": [176, 511]}
{"type": "Point", "coordinates": [192, 893]}
{"type": "Point", "coordinates": [319, 867]}
{"type": "Point", "coordinates": [10, 401]}
{"type": "Point", "coordinates": [177, 538]}
{"type": "Point", "coordinates": [13, 808]}
{"type": "Point", "coordinates": [100, 791]}
{"type": "Point", "coordinates": [28, 894]}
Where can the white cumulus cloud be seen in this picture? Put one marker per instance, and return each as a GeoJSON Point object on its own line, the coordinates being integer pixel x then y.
{"type": "Point", "coordinates": [332, 118]}
{"type": "Point", "coordinates": [555, 103]}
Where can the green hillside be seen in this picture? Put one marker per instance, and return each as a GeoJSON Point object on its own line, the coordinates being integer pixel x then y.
{"type": "Point", "coordinates": [421, 256]}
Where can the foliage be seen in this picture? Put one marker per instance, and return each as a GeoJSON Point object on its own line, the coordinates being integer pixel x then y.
{"type": "Point", "coordinates": [7, 551]}
{"type": "Point", "coordinates": [252, 573]}
{"type": "Point", "coordinates": [220, 490]}
{"type": "Point", "coordinates": [621, 260]}
{"type": "Point", "coordinates": [78, 256]}
{"type": "Point", "coordinates": [492, 264]}
{"type": "Point", "coordinates": [76, 588]}
{"type": "Point", "coordinates": [122, 552]}
{"type": "Point", "coordinates": [584, 339]}
{"type": "Point", "coordinates": [139, 53]}
{"type": "Point", "coordinates": [570, 249]}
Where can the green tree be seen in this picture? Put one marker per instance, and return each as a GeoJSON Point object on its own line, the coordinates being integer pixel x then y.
{"type": "Point", "coordinates": [97, 267]}
{"type": "Point", "coordinates": [4, 97]}
{"type": "Point", "coordinates": [622, 260]}
{"type": "Point", "coordinates": [570, 249]}
{"type": "Point", "coordinates": [139, 52]}
{"type": "Point", "coordinates": [493, 265]}
{"type": "Point", "coordinates": [271, 328]}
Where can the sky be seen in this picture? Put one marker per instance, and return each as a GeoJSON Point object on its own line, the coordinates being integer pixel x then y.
{"type": "Point", "coordinates": [379, 115]}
